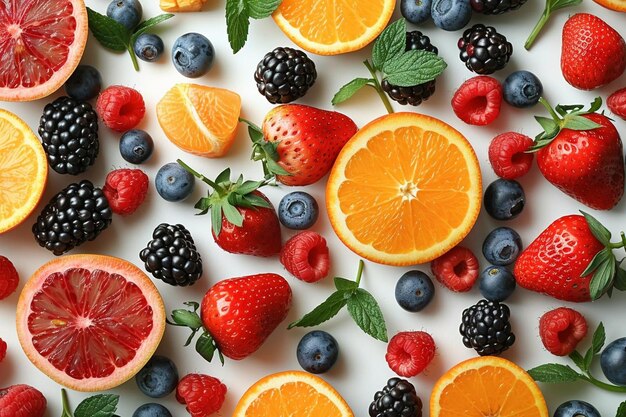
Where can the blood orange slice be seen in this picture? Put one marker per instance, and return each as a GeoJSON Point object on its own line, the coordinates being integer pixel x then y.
{"type": "Point", "coordinates": [90, 322]}
{"type": "Point", "coordinates": [41, 43]}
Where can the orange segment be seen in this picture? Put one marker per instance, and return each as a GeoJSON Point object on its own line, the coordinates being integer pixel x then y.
{"type": "Point", "coordinates": [331, 27]}
{"type": "Point", "coordinates": [404, 190]}
{"type": "Point", "coordinates": [487, 387]}
{"type": "Point", "coordinates": [292, 394]}
{"type": "Point", "coordinates": [200, 120]}
{"type": "Point", "coordinates": [23, 171]}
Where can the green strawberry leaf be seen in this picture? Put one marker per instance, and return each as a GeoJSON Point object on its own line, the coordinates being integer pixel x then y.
{"type": "Point", "coordinates": [390, 43]}
{"type": "Point", "coordinates": [597, 229]}
{"type": "Point", "coordinates": [237, 23]}
{"type": "Point", "coordinates": [223, 177]}
{"type": "Point", "coordinates": [621, 410]}
{"type": "Point", "coordinates": [365, 311]}
{"type": "Point", "coordinates": [206, 347]}
{"type": "Point", "coordinates": [413, 67]}
{"type": "Point", "coordinates": [101, 405]}
{"type": "Point", "coordinates": [323, 312]}
{"type": "Point", "coordinates": [348, 90]}
{"type": "Point", "coordinates": [601, 257]}
{"type": "Point", "coordinates": [232, 214]}
{"type": "Point", "coordinates": [260, 9]}
{"type": "Point", "coordinates": [598, 339]}
{"type": "Point", "coordinates": [577, 358]}
{"type": "Point", "coordinates": [216, 218]}
{"type": "Point", "coordinates": [257, 201]}
{"type": "Point", "coordinates": [620, 279]}
{"type": "Point", "coordinates": [554, 373]}
{"type": "Point", "coordinates": [343, 284]}
{"type": "Point", "coordinates": [579, 123]}
{"type": "Point", "coordinates": [602, 278]}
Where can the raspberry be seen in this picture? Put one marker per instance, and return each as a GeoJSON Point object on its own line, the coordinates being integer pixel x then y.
{"type": "Point", "coordinates": [306, 257]}
{"type": "Point", "coordinates": [3, 349]}
{"type": "Point", "coordinates": [409, 353]}
{"type": "Point", "coordinates": [22, 401]}
{"type": "Point", "coordinates": [202, 394]}
{"type": "Point", "coordinates": [508, 157]}
{"type": "Point", "coordinates": [125, 189]}
{"type": "Point", "coordinates": [9, 279]}
{"type": "Point", "coordinates": [561, 330]}
{"type": "Point", "coordinates": [617, 103]}
{"type": "Point", "coordinates": [120, 108]}
{"type": "Point", "coordinates": [478, 100]}
{"type": "Point", "coordinates": [457, 269]}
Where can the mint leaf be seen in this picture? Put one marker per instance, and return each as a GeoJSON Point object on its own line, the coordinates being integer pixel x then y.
{"type": "Point", "coordinates": [602, 279]}
{"type": "Point", "coordinates": [598, 339]}
{"type": "Point", "coordinates": [108, 32]}
{"type": "Point", "coordinates": [102, 405]}
{"type": "Point", "coordinates": [323, 312]}
{"type": "Point", "coordinates": [390, 43]}
{"type": "Point", "coordinates": [597, 229]}
{"type": "Point", "coordinates": [260, 9]}
{"type": "Point", "coordinates": [237, 23]}
{"type": "Point", "coordinates": [147, 24]}
{"type": "Point", "coordinates": [577, 358]}
{"type": "Point", "coordinates": [413, 68]}
{"type": "Point", "coordinates": [343, 284]}
{"type": "Point", "coordinates": [365, 311]}
{"type": "Point", "coordinates": [350, 89]}
{"type": "Point", "coordinates": [588, 359]}
{"type": "Point", "coordinates": [621, 410]}
{"type": "Point", "coordinates": [620, 279]}
{"type": "Point", "coordinates": [553, 373]}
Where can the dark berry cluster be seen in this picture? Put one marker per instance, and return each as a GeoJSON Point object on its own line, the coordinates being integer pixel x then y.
{"type": "Point", "coordinates": [285, 75]}
{"type": "Point", "coordinates": [484, 50]}
{"type": "Point", "coordinates": [485, 327]}
{"type": "Point", "coordinates": [397, 399]}
{"type": "Point", "coordinates": [496, 6]}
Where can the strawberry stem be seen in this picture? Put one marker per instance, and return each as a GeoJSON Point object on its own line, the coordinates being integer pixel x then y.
{"type": "Point", "coordinates": [377, 86]}
{"type": "Point", "coordinates": [199, 175]}
{"type": "Point", "coordinates": [551, 6]}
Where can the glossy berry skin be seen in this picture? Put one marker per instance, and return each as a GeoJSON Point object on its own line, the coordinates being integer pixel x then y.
{"type": "Point", "coordinates": [136, 146]}
{"type": "Point", "coordinates": [502, 246]}
{"type": "Point", "coordinates": [84, 84]}
{"type": "Point", "coordinates": [158, 377]}
{"type": "Point", "coordinates": [456, 269]}
{"type": "Point", "coordinates": [148, 47]}
{"type": "Point", "coordinates": [415, 11]}
{"type": "Point", "coordinates": [504, 199]}
{"type": "Point", "coordinates": [22, 401]}
{"type": "Point", "coordinates": [317, 352]}
{"type": "Point", "coordinates": [121, 108]}
{"type": "Point", "coordinates": [561, 330]}
{"type": "Point", "coordinates": [193, 55]}
{"type": "Point", "coordinates": [576, 408]}
{"type": "Point", "coordinates": [298, 210]}
{"type": "Point", "coordinates": [508, 156]}
{"type": "Point", "coordinates": [409, 353]}
{"type": "Point", "coordinates": [613, 361]}
{"type": "Point", "coordinates": [484, 50]}
{"type": "Point", "coordinates": [201, 394]}
{"type": "Point", "coordinates": [495, 7]}
{"type": "Point", "coordinates": [152, 410]}
{"type": "Point", "coordinates": [451, 15]}
{"type": "Point", "coordinates": [3, 349]}
{"type": "Point", "coordinates": [125, 12]}
{"type": "Point", "coordinates": [478, 100]}
{"type": "Point", "coordinates": [126, 190]}
{"type": "Point", "coordinates": [173, 182]}
{"type": "Point", "coordinates": [306, 256]}
{"type": "Point", "coordinates": [522, 89]}
{"type": "Point", "coordinates": [496, 283]}
{"type": "Point", "coordinates": [617, 103]}
{"type": "Point", "coordinates": [414, 291]}
{"type": "Point", "coordinates": [9, 278]}
{"type": "Point", "coordinates": [485, 327]}
{"type": "Point", "coordinates": [397, 397]}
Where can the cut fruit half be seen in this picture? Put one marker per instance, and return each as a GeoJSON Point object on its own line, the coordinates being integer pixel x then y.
{"type": "Point", "coordinates": [617, 5]}
{"type": "Point", "coordinates": [90, 322]}
{"type": "Point", "coordinates": [41, 43]}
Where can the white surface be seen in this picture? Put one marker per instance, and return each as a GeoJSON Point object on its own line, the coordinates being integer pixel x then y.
{"type": "Point", "coordinates": [361, 369]}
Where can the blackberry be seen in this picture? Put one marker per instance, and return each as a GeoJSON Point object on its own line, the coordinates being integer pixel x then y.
{"type": "Point", "coordinates": [486, 328]}
{"type": "Point", "coordinates": [495, 6]}
{"type": "Point", "coordinates": [397, 398]}
{"type": "Point", "coordinates": [78, 213]}
{"type": "Point", "coordinates": [416, 94]}
{"type": "Point", "coordinates": [285, 75]}
{"type": "Point", "coordinates": [69, 132]}
{"type": "Point", "coordinates": [171, 255]}
{"type": "Point", "coordinates": [484, 50]}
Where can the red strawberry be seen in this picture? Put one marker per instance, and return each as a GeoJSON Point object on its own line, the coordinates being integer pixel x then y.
{"type": "Point", "coordinates": [22, 401]}
{"type": "Point", "coordinates": [561, 329]}
{"type": "Point", "coordinates": [9, 279]}
{"type": "Point", "coordinates": [617, 103]}
{"type": "Point", "coordinates": [3, 349]}
{"type": "Point", "coordinates": [125, 189]}
{"type": "Point", "coordinates": [201, 394]}
{"type": "Point", "coordinates": [306, 257]}
{"type": "Point", "coordinates": [581, 154]}
{"type": "Point", "coordinates": [593, 53]}
{"type": "Point", "coordinates": [456, 269]}
{"type": "Point", "coordinates": [409, 353]}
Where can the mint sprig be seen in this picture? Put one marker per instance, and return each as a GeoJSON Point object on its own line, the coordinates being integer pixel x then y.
{"type": "Point", "coordinates": [238, 14]}
{"type": "Point", "coordinates": [118, 38]}
{"type": "Point", "coordinates": [551, 6]}
{"type": "Point", "coordinates": [362, 307]}
{"type": "Point", "coordinates": [621, 410]}
{"type": "Point", "coordinates": [101, 405]}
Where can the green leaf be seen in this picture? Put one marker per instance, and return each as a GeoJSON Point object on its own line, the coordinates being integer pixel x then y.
{"type": "Point", "coordinates": [413, 68]}
{"type": "Point", "coordinates": [554, 373]}
{"type": "Point", "coordinates": [579, 123]}
{"type": "Point", "coordinates": [271, 150]}
{"type": "Point", "coordinates": [248, 187]}
{"type": "Point", "coordinates": [559, 4]}
{"type": "Point", "coordinates": [223, 177]}
{"type": "Point", "coordinates": [101, 405]}
{"type": "Point", "coordinates": [602, 279]}
{"type": "Point", "coordinates": [343, 284]}
{"type": "Point", "coordinates": [595, 105]}
{"type": "Point", "coordinates": [598, 340]}
{"type": "Point", "coordinates": [390, 43]}
{"type": "Point", "coordinates": [550, 127]}
{"type": "Point", "coordinates": [108, 32]}
{"type": "Point", "coordinates": [257, 201]}
{"type": "Point", "coordinates": [365, 311]}
{"type": "Point", "coordinates": [350, 89]}
{"type": "Point", "coordinates": [621, 410]}
{"type": "Point", "coordinates": [275, 169]}
{"type": "Point", "coordinates": [620, 279]}
{"type": "Point", "coordinates": [186, 318]}
{"type": "Point", "coordinates": [260, 9]}
{"type": "Point", "coordinates": [600, 258]}
{"type": "Point", "coordinates": [587, 360]}
{"type": "Point", "coordinates": [237, 23]}
{"type": "Point", "coordinates": [255, 134]}
{"type": "Point", "coordinates": [597, 229]}
{"type": "Point", "coordinates": [216, 218]}
{"type": "Point", "coordinates": [232, 214]}
{"type": "Point", "coordinates": [577, 358]}
{"type": "Point", "coordinates": [147, 24]}
{"type": "Point", "coordinates": [323, 312]}
{"type": "Point", "coordinates": [205, 346]}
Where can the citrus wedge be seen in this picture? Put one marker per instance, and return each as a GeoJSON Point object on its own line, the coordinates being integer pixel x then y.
{"type": "Point", "coordinates": [617, 5]}
{"type": "Point", "coordinates": [404, 190]}
{"type": "Point", "coordinates": [23, 171]}
{"type": "Point", "coordinates": [334, 27]}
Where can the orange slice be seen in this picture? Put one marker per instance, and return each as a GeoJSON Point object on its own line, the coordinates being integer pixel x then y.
{"type": "Point", "coordinates": [404, 190]}
{"type": "Point", "coordinates": [292, 394]}
{"type": "Point", "coordinates": [200, 120]}
{"type": "Point", "coordinates": [487, 386]}
{"type": "Point", "coordinates": [617, 5]}
{"type": "Point", "coordinates": [23, 171]}
{"type": "Point", "coordinates": [333, 27]}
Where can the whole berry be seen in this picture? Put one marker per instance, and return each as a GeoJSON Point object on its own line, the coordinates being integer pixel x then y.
{"type": "Point", "coordinates": [504, 199]}
{"type": "Point", "coordinates": [3, 349]}
{"type": "Point", "coordinates": [158, 377]}
{"type": "Point", "coordinates": [617, 103]}
{"type": "Point", "coordinates": [284, 75]}
{"type": "Point", "coordinates": [522, 89]}
{"type": "Point", "coordinates": [508, 155]}
{"type": "Point", "coordinates": [414, 291]}
{"type": "Point", "coordinates": [125, 12]}
{"type": "Point", "coordinates": [496, 6]}
{"type": "Point", "coordinates": [613, 361]}
{"type": "Point", "coordinates": [485, 328]}
{"type": "Point", "coordinates": [298, 210]}
{"type": "Point", "coordinates": [451, 15]}
{"type": "Point", "coordinates": [317, 352]}
{"type": "Point", "coordinates": [148, 47]}
{"type": "Point", "coordinates": [576, 408]}
{"type": "Point", "coordinates": [126, 190]}
{"type": "Point", "coordinates": [496, 283]}
{"type": "Point", "coordinates": [152, 410]}
{"type": "Point", "coordinates": [478, 100]}
{"type": "Point", "coordinates": [456, 269]}
{"type": "Point", "coordinates": [136, 146]}
{"type": "Point", "coordinates": [397, 398]}
{"type": "Point", "coordinates": [409, 353]}
{"type": "Point", "coordinates": [84, 84]}
{"type": "Point", "coordinates": [9, 278]}
{"type": "Point", "coordinates": [22, 401]}
{"type": "Point", "coordinates": [193, 55]}
{"type": "Point", "coordinates": [416, 11]}
{"type": "Point", "coordinates": [561, 330]}
{"type": "Point", "coordinates": [484, 50]}
{"type": "Point", "coordinates": [120, 108]}
{"type": "Point", "coordinates": [502, 246]}
{"type": "Point", "coordinates": [201, 394]}
{"type": "Point", "coordinates": [306, 256]}
{"type": "Point", "coordinates": [173, 182]}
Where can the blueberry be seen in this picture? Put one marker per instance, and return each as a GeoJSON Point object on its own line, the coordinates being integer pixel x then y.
{"type": "Point", "coordinates": [148, 47]}
{"type": "Point", "coordinates": [84, 84]}
{"type": "Point", "coordinates": [298, 210]}
{"type": "Point", "coordinates": [158, 377]}
{"type": "Point", "coordinates": [317, 352]}
{"type": "Point", "coordinates": [136, 146]}
{"type": "Point", "coordinates": [613, 361]}
{"type": "Point", "coordinates": [125, 12]}
{"type": "Point", "coordinates": [576, 408]}
{"type": "Point", "coordinates": [152, 410]}
{"type": "Point", "coordinates": [504, 199]}
{"type": "Point", "coordinates": [451, 14]}
{"type": "Point", "coordinates": [414, 291]}
{"type": "Point", "coordinates": [522, 89]}
{"type": "Point", "coordinates": [416, 11]}
{"type": "Point", "coordinates": [193, 55]}
{"type": "Point", "coordinates": [502, 246]}
{"type": "Point", "coordinates": [173, 182]}
{"type": "Point", "coordinates": [496, 283]}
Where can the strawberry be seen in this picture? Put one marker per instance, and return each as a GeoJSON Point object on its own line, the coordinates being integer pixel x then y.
{"type": "Point", "coordinates": [571, 260]}
{"type": "Point", "coordinates": [299, 144]}
{"type": "Point", "coordinates": [593, 53]}
{"type": "Point", "coordinates": [617, 103]}
{"type": "Point", "coordinates": [580, 152]}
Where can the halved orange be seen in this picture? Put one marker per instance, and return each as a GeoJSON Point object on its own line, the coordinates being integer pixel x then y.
{"type": "Point", "coordinates": [292, 394]}
{"type": "Point", "coordinates": [487, 386]}
{"type": "Point", "coordinates": [200, 120]}
{"type": "Point", "coordinates": [617, 5]}
{"type": "Point", "coordinates": [333, 27]}
{"type": "Point", "coordinates": [89, 322]}
{"type": "Point", "coordinates": [404, 190]}
{"type": "Point", "coordinates": [23, 171]}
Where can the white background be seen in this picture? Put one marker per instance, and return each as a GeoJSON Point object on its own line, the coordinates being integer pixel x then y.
{"type": "Point", "coordinates": [361, 369]}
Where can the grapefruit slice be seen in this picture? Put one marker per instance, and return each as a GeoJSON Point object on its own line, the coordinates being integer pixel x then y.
{"type": "Point", "coordinates": [41, 43]}
{"type": "Point", "coordinates": [89, 322]}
